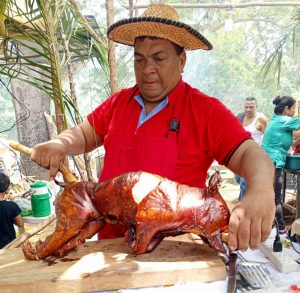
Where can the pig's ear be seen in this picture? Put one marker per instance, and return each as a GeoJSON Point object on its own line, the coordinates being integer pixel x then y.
{"type": "Point", "coordinates": [61, 184]}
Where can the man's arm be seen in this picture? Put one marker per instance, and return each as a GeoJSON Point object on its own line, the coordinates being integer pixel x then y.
{"type": "Point", "coordinates": [18, 220]}
{"type": "Point", "coordinates": [73, 141]}
{"type": "Point", "coordinates": [252, 217]}
{"type": "Point", "coordinates": [263, 121]}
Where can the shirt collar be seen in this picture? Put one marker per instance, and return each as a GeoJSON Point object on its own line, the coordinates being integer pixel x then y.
{"type": "Point", "coordinates": [161, 104]}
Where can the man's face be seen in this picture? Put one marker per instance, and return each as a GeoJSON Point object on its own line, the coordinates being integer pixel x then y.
{"type": "Point", "coordinates": [250, 108]}
{"type": "Point", "coordinates": [157, 68]}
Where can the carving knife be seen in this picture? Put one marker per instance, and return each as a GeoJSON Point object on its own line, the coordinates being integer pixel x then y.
{"type": "Point", "coordinates": [231, 285]}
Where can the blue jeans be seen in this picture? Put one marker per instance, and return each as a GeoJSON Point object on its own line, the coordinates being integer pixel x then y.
{"type": "Point", "coordinates": [242, 182]}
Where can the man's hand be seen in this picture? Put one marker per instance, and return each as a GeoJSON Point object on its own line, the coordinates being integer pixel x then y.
{"type": "Point", "coordinates": [73, 141]}
{"type": "Point", "coordinates": [49, 155]}
{"type": "Point", "coordinates": [251, 220]}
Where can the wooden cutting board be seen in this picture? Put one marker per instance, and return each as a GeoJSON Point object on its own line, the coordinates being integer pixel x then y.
{"type": "Point", "coordinates": [108, 264]}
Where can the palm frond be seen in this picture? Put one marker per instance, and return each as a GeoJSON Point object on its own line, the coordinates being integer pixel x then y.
{"type": "Point", "coordinates": [287, 39]}
{"type": "Point", "coordinates": [34, 44]}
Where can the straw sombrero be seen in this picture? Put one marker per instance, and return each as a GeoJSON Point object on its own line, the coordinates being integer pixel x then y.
{"type": "Point", "coordinates": [158, 20]}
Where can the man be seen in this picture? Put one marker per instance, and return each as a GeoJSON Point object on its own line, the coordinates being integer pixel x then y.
{"type": "Point", "coordinates": [164, 126]}
{"type": "Point", "coordinates": [256, 123]}
{"type": "Point", "coordinates": [10, 214]}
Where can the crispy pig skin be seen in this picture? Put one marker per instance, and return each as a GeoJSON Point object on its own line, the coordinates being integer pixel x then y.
{"type": "Point", "coordinates": [149, 206]}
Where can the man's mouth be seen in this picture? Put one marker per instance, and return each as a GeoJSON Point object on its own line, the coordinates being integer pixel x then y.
{"type": "Point", "coordinates": [150, 84]}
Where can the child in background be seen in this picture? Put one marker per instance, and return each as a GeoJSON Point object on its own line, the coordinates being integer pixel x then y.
{"type": "Point", "coordinates": [10, 214]}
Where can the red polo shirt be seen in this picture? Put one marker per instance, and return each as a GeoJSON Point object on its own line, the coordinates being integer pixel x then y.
{"type": "Point", "coordinates": [208, 130]}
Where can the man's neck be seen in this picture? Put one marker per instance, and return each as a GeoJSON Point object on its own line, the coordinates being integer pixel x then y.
{"type": "Point", "coordinates": [251, 117]}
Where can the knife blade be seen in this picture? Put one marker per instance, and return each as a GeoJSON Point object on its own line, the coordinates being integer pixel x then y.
{"type": "Point", "coordinates": [231, 285]}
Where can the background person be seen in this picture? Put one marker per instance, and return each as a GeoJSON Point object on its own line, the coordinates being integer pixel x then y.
{"type": "Point", "coordinates": [10, 214]}
{"type": "Point", "coordinates": [164, 126]}
{"type": "Point", "coordinates": [256, 123]}
{"type": "Point", "coordinates": [277, 140]}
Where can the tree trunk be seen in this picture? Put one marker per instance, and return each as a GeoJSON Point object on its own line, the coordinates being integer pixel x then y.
{"type": "Point", "coordinates": [3, 4]}
{"type": "Point", "coordinates": [31, 124]}
{"type": "Point", "coordinates": [111, 48]}
{"type": "Point", "coordinates": [49, 19]}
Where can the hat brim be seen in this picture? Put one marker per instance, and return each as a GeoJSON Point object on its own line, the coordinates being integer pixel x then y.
{"type": "Point", "coordinates": [125, 31]}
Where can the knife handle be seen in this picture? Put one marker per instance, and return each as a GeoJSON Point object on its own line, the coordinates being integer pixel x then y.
{"type": "Point", "coordinates": [67, 174]}
{"type": "Point", "coordinates": [232, 272]}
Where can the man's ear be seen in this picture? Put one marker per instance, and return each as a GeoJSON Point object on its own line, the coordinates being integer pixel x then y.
{"type": "Point", "coordinates": [182, 59]}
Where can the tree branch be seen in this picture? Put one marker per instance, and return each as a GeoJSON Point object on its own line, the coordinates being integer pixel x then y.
{"type": "Point", "coordinates": [111, 49]}
{"type": "Point", "coordinates": [220, 5]}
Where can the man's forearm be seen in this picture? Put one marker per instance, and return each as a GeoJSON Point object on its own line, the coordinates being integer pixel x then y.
{"type": "Point", "coordinates": [252, 163]}
{"type": "Point", "coordinates": [72, 140]}
{"type": "Point", "coordinates": [80, 139]}
{"type": "Point", "coordinates": [258, 170]}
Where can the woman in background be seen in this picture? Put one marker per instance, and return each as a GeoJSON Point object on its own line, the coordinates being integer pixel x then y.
{"type": "Point", "coordinates": [277, 140]}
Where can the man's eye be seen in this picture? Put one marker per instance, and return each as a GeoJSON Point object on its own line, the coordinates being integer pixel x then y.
{"type": "Point", "coordinates": [138, 59]}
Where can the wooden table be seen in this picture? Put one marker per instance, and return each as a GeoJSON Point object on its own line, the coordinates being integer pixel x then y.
{"type": "Point", "coordinates": [108, 264]}
{"type": "Point", "coordinates": [296, 209]}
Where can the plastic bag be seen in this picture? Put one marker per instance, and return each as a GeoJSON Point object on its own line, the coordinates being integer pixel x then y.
{"type": "Point", "coordinates": [23, 203]}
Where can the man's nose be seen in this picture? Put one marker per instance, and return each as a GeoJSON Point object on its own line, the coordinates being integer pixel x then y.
{"type": "Point", "coordinates": [149, 66]}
